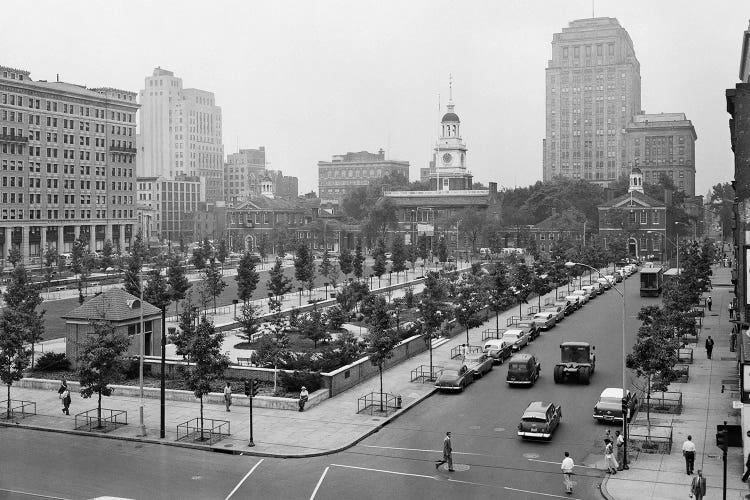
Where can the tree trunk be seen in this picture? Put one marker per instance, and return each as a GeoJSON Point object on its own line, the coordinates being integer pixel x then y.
{"type": "Point", "coordinates": [648, 406]}
{"type": "Point", "coordinates": [429, 339]}
{"type": "Point", "coordinates": [32, 356]}
{"type": "Point", "coordinates": [99, 412]}
{"type": "Point", "coordinates": [8, 414]}
{"type": "Point", "coordinates": [380, 369]}
{"type": "Point", "coordinates": [497, 323]}
{"type": "Point", "coordinates": [201, 417]}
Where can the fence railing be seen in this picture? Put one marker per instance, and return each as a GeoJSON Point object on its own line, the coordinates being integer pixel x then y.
{"type": "Point", "coordinates": [110, 420]}
{"type": "Point", "coordinates": [512, 320]}
{"type": "Point", "coordinates": [682, 373]}
{"type": "Point", "coordinates": [650, 439]}
{"type": "Point", "coordinates": [685, 355]}
{"type": "Point", "coordinates": [531, 310]}
{"type": "Point", "coordinates": [663, 402]}
{"type": "Point", "coordinates": [212, 430]}
{"type": "Point", "coordinates": [380, 403]}
{"type": "Point", "coordinates": [422, 373]}
{"type": "Point", "coordinates": [463, 349]}
{"type": "Point", "coordinates": [492, 333]}
{"type": "Point", "coordinates": [18, 409]}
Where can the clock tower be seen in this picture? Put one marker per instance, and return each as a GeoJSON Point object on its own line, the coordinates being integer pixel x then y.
{"type": "Point", "coordinates": [449, 159]}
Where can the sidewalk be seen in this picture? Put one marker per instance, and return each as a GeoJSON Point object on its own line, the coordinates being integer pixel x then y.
{"type": "Point", "coordinates": [662, 477]}
{"type": "Point", "coordinates": [332, 425]}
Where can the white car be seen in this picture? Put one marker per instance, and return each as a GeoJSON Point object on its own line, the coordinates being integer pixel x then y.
{"type": "Point", "coordinates": [584, 296]}
{"type": "Point", "coordinates": [545, 320]}
{"type": "Point", "coordinates": [607, 284]}
{"type": "Point", "coordinates": [516, 338]}
{"type": "Point", "coordinates": [575, 300]}
{"type": "Point", "coordinates": [592, 290]}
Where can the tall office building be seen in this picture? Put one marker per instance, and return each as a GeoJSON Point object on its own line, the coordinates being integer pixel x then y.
{"type": "Point", "coordinates": [241, 171]}
{"type": "Point", "coordinates": [593, 86]}
{"type": "Point", "coordinates": [180, 133]}
{"type": "Point", "coordinates": [67, 165]}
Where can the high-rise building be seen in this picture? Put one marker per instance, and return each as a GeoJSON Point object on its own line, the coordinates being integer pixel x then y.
{"type": "Point", "coordinates": [172, 204]}
{"type": "Point", "coordinates": [345, 173]}
{"type": "Point", "coordinates": [180, 133]}
{"type": "Point", "coordinates": [663, 144]}
{"type": "Point", "coordinates": [593, 86]}
{"type": "Point", "coordinates": [240, 171]}
{"type": "Point", "coordinates": [67, 165]}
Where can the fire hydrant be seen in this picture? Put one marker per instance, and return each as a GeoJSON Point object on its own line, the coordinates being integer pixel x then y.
{"type": "Point", "coordinates": [398, 401]}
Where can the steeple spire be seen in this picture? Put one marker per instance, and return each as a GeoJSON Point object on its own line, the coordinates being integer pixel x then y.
{"type": "Point", "coordinates": [450, 93]}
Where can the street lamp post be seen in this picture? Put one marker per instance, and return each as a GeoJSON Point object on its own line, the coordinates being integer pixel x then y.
{"type": "Point", "coordinates": [299, 289]}
{"type": "Point", "coordinates": [326, 285]}
{"type": "Point", "coordinates": [624, 381]}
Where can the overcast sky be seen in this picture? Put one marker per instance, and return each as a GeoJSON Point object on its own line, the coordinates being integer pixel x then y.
{"type": "Point", "coordinates": [311, 79]}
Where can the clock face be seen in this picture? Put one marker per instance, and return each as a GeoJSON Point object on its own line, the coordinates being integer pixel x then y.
{"type": "Point", "coordinates": [447, 157]}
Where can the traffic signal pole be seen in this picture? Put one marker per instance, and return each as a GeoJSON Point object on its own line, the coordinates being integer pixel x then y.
{"type": "Point", "coordinates": [251, 389]}
{"type": "Point", "coordinates": [722, 441]}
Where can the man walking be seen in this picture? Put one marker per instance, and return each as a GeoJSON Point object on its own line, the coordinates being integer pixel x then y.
{"type": "Point", "coordinates": [731, 310]}
{"type": "Point", "coordinates": [688, 451]}
{"type": "Point", "coordinates": [619, 444]}
{"type": "Point", "coordinates": [709, 346]}
{"type": "Point", "coordinates": [64, 395]}
{"type": "Point", "coordinates": [698, 486]}
{"type": "Point", "coordinates": [747, 469]}
{"type": "Point", "coordinates": [709, 301]}
{"type": "Point", "coordinates": [567, 471]}
{"type": "Point", "coordinates": [447, 453]}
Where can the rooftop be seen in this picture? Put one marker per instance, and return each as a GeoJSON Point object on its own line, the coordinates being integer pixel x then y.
{"type": "Point", "coordinates": [115, 305]}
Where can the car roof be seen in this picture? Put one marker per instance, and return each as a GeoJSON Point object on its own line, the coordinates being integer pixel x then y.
{"type": "Point", "coordinates": [575, 344]}
{"type": "Point", "coordinates": [612, 392]}
{"type": "Point", "coordinates": [498, 342]}
{"type": "Point", "coordinates": [536, 409]}
{"type": "Point", "coordinates": [542, 313]}
{"type": "Point", "coordinates": [522, 357]}
{"type": "Point", "coordinates": [514, 331]}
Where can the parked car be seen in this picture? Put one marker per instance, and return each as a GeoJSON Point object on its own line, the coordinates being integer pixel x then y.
{"type": "Point", "coordinates": [606, 283]}
{"type": "Point", "coordinates": [539, 420]}
{"type": "Point", "coordinates": [498, 349]}
{"type": "Point", "coordinates": [545, 320]}
{"type": "Point", "coordinates": [575, 300]}
{"type": "Point", "coordinates": [528, 325]}
{"type": "Point", "coordinates": [557, 310]}
{"type": "Point", "coordinates": [566, 305]}
{"type": "Point", "coordinates": [523, 369]}
{"type": "Point", "coordinates": [454, 379]}
{"type": "Point", "coordinates": [592, 290]}
{"type": "Point", "coordinates": [583, 294]}
{"type": "Point", "coordinates": [479, 363]}
{"type": "Point", "coordinates": [517, 338]}
{"type": "Point", "coordinates": [609, 406]}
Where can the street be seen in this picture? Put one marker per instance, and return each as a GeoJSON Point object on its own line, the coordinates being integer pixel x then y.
{"type": "Point", "coordinates": [397, 462]}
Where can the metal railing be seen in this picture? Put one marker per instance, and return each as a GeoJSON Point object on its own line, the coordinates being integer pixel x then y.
{"type": "Point", "coordinates": [513, 320]}
{"type": "Point", "coordinates": [663, 402]}
{"type": "Point", "coordinates": [379, 403]}
{"type": "Point", "coordinates": [463, 349]}
{"type": "Point", "coordinates": [650, 438]}
{"type": "Point", "coordinates": [18, 409]}
{"type": "Point", "coordinates": [212, 431]}
{"type": "Point", "coordinates": [422, 373]}
{"type": "Point", "coordinates": [110, 420]}
{"type": "Point", "coordinates": [685, 355]}
{"type": "Point", "coordinates": [492, 333]}
{"type": "Point", "coordinates": [682, 373]}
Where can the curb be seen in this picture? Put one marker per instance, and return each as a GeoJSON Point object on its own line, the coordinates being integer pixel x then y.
{"type": "Point", "coordinates": [603, 489]}
{"type": "Point", "coordinates": [247, 452]}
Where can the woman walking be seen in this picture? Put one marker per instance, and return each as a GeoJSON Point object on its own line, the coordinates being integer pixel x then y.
{"type": "Point", "coordinates": [609, 457]}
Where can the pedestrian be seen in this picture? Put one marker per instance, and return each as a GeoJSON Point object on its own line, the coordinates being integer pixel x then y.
{"type": "Point", "coordinates": [567, 472]}
{"type": "Point", "coordinates": [228, 396]}
{"type": "Point", "coordinates": [620, 449]}
{"type": "Point", "coordinates": [747, 469]}
{"type": "Point", "coordinates": [447, 453]}
{"type": "Point", "coordinates": [709, 346]}
{"type": "Point", "coordinates": [303, 396]}
{"type": "Point", "coordinates": [709, 301]}
{"type": "Point", "coordinates": [688, 451]}
{"type": "Point", "coordinates": [698, 486]}
{"type": "Point", "coordinates": [731, 310]}
{"type": "Point", "coordinates": [609, 457]}
{"type": "Point", "coordinates": [64, 395]}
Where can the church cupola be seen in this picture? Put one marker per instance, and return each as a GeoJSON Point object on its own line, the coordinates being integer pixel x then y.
{"type": "Point", "coordinates": [450, 123]}
{"type": "Point", "coordinates": [636, 180]}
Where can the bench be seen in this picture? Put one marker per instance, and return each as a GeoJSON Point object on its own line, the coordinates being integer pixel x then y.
{"type": "Point", "coordinates": [244, 361]}
{"type": "Point", "coordinates": [60, 288]}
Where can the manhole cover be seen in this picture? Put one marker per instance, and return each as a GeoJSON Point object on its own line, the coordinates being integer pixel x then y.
{"type": "Point", "coordinates": [530, 455]}
{"type": "Point", "coordinates": [228, 445]}
{"type": "Point", "coordinates": [499, 429]}
{"type": "Point", "coordinates": [474, 427]}
{"type": "Point", "coordinates": [456, 467]}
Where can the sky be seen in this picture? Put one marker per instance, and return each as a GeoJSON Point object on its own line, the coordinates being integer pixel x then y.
{"type": "Point", "coordinates": [312, 79]}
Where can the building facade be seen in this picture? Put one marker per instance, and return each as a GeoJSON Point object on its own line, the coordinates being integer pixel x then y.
{"type": "Point", "coordinates": [67, 165]}
{"type": "Point", "coordinates": [448, 170]}
{"type": "Point", "coordinates": [180, 133]}
{"type": "Point", "coordinates": [593, 90]}
{"type": "Point", "coordinates": [663, 144]}
{"type": "Point", "coordinates": [169, 207]}
{"type": "Point", "coordinates": [345, 173]}
{"type": "Point", "coordinates": [241, 173]}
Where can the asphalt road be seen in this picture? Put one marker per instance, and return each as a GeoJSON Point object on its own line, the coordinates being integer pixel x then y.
{"type": "Point", "coordinates": [397, 462]}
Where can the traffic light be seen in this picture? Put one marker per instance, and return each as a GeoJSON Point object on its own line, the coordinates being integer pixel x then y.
{"type": "Point", "coordinates": [256, 386]}
{"type": "Point", "coordinates": [722, 440]}
{"type": "Point", "coordinates": [247, 388]}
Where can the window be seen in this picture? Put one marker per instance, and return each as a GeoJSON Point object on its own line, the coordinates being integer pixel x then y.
{"type": "Point", "coordinates": [643, 217]}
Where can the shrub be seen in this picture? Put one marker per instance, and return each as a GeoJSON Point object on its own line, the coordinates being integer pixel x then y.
{"type": "Point", "coordinates": [336, 317]}
{"type": "Point", "coordinates": [294, 382]}
{"type": "Point", "coordinates": [52, 361]}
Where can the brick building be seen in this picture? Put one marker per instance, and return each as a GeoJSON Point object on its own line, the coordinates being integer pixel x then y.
{"type": "Point", "coordinates": [345, 173]}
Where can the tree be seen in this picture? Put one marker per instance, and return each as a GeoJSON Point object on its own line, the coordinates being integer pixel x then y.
{"type": "Point", "coordinates": [381, 338]}
{"type": "Point", "coordinates": [422, 247]}
{"type": "Point", "coordinates": [178, 282]}
{"type": "Point", "coordinates": [358, 262]}
{"type": "Point", "coordinates": [132, 279]}
{"type": "Point", "coordinates": [107, 253]}
{"type": "Point", "coordinates": [157, 294]}
{"type": "Point", "coordinates": [442, 251]}
{"type": "Point", "coordinates": [499, 294]}
{"type": "Point", "coordinates": [207, 249]}
{"type": "Point", "coordinates": [247, 277]}
{"type": "Point", "coordinates": [346, 262]}
{"type": "Point", "coordinates": [21, 302]}
{"type": "Point", "coordinates": [380, 219]}
{"type": "Point", "coordinates": [278, 283]}
{"type": "Point", "coordinates": [101, 358]}
{"type": "Point", "coordinates": [303, 264]}
{"type": "Point", "coordinates": [271, 350]}
{"type": "Point", "coordinates": [249, 321]}
{"type": "Point", "coordinates": [14, 255]}
{"type": "Point", "coordinates": [325, 267]}
{"type": "Point", "coordinates": [222, 252]}
{"type": "Point", "coordinates": [138, 249]}
{"type": "Point", "coordinates": [398, 255]}
{"type": "Point", "coordinates": [263, 245]}
{"type": "Point", "coordinates": [539, 285]}
{"type": "Point", "coordinates": [720, 201]}
{"type": "Point", "coordinates": [655, 352]}
{"type": "Point", "coordinates": [412, 254]}
{"type": "Point", "coordinates": [198, 260]}
{"type": "Point", "coordinates": [521, 280]}
{"type": "Point", "coordinates": [379, 268]}
{"type": "Point", "coordinates": [187, 321]}
{"type": "Point", "coordinates": [313, 326]}
{"type": "Point", "coordinates": [214, 282]}
{"type": "Point", "coordinates": [14, 358]}
{"type": "Point", "coordinates": [209, 364]}
{"type": "Point", "coordinates": [468, 305]}
{"type": "Point", "coordinates": [77, 254]}
{"type": "Point", "coordinates": [470, 222]}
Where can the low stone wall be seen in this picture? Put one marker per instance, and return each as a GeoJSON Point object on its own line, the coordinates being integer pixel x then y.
{"type": "Point", "coordinates": [217, 398]}
{"type": "Point", "coordinates": [152, 365]}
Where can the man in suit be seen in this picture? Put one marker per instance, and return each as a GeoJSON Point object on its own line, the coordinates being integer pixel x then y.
{"type": "Point", "coordinates": [447, 453]}
{"type": "Point", "coordinates": [698, 486]}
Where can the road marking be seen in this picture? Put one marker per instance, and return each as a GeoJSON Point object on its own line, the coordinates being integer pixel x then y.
{"type": "Point", "coordinates": [384, 471]}
{"type": "Point", "coordinates": [33, 494]}
{"type": "Point", "coordinates": [320, 481]}
{"type": "Point", "coordinates": [426, 451]}
{"type": "Point", "coordinates": [559, 463]}
{"type": "Point", "coordinates": [539, 493]}
{"type": "Point", "coordinates": [243, 479]}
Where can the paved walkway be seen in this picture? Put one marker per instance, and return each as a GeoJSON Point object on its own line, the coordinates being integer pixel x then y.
{"type": "Point", "coordinates": [663, 477]}
{"type": "Point", "coordinates": [332, 425]}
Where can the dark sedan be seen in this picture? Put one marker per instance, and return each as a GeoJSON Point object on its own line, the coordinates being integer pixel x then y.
{"type": "Point", "coordinates": [540, 420]}
{"type": "Point", "coordinates": [609, 406]}
{"type": "Point", "coordinates": [454, 379]}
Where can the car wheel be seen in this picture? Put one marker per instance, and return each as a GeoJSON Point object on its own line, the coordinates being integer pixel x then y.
{"type": "Point", "coordinates": [558, 374]}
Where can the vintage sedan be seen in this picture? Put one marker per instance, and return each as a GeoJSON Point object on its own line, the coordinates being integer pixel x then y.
{"type": "Point", "coordinates": [498, 349]}
{"type": "Point", "coordinates": [517, 338]}
{"type": "Point", "coordinates": [575, 300]}
{"type": "Point", "coordinates": [479, 363]}
{"type": "Point", "coordinates": [545, 320]}
{"type": "Point", "coordinates": [567, 306]}
{"type": "Point", "coordinates": [454, 379]}
{"type": "Point", "coordinates": [583, 294]}
{"type": "Point", "coordinates": [609, 406]}
{"type": "Point", "coordinates": [558, 311]}
{"type": "Point", "coordinates": [528, 326]}
{"type": "Point", "coordinates": [540, 420]}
